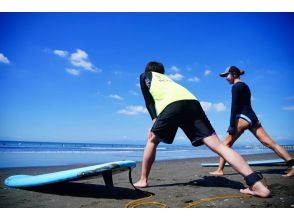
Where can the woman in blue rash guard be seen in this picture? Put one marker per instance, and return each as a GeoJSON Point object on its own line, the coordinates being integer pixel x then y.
{"type": "Point", "coordinates": [243, 117]}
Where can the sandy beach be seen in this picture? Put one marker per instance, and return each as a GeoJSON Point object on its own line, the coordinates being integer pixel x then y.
{"type": "Point", "coordinates": [176, 184]}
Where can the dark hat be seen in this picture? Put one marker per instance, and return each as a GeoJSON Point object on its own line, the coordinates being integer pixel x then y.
{"type": "Point", "coordinates": [232, 69]}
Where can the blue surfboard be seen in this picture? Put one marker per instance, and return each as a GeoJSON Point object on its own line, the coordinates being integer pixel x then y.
{"type": "Point", "coordinates": [272, 162]}
{"type": "Point", "coordinates": [106, 170]}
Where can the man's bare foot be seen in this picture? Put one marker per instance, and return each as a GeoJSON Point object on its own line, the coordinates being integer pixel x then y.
{"type": "Point", "coordinates": [290, 172]}
{"type": "Point", "coordinates": [258, 189]}
{"type": "Point", "coordinates": [141, 184]}
{"type": "Point", "coordinates": [217, 173]}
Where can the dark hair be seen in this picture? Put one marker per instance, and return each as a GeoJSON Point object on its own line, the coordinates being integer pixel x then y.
{"type": "Point", "coordinates": [237, 75]}
{"type": "Point", "coordinates": [154, 66]}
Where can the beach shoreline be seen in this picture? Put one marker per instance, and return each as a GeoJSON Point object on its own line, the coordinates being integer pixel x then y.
{"type": "Point", "coordinates": [176, 183]}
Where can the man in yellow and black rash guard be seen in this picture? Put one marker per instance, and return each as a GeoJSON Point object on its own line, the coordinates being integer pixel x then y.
{"type": "Point", "coordinates": [172, 106]}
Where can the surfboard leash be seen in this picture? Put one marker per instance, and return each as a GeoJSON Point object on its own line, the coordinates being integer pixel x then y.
{"type": "Point", "coordinates": [215, 198]}
{"type": "Point", "coordinates": [143, 202]}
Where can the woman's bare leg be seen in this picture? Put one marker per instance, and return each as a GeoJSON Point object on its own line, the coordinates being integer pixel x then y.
{"type": "Point", "coordinates": [238, 163]}
{"type": "Point", "coordinates": [241, 126]}
{"type": "Point", "coordinates": [266, 140]}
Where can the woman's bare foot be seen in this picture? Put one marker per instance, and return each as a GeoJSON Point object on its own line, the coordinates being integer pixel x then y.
{"type": "Point", "coordinates": [290, 172]}
{"type": "Point", "coordinates": [258, 189]}
{"type": "Point", "coordinates": [141, 184]}
{"type": "Point", "coordinates": [217, 173]}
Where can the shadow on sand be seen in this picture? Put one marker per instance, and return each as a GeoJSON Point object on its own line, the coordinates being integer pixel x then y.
{"type": "Point", "coordinates": [208, 181]}
{"type": "Point", "coordinates": [219, 181]}
{"type": "Point", "coordinates": [86, 190]}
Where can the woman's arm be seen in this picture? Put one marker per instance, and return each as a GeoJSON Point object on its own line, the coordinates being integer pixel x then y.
{"type": "Point", "coordinates": [231, 129]}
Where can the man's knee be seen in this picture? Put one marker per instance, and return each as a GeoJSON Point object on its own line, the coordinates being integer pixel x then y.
{"type": "Point", "coordinates": [153, 139]}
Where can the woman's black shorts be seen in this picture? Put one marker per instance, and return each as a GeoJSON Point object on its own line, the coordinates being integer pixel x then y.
{"type": "Point", "coordinates": [186, 114]}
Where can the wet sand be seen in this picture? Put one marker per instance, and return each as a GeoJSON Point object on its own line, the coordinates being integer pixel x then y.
{"type": "Point", "coordinates": [175, 183]}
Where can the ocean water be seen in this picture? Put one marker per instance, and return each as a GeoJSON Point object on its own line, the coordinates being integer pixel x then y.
{"type": "Point", "coordinates": [30, 154]}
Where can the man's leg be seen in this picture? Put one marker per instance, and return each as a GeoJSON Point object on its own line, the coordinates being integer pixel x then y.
{"type": "Point", "coordinates": [148, 159]}
{"type": "Point", "coordinates": [238, 163]}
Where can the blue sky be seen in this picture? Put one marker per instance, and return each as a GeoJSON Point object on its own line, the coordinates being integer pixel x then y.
{"type": "Point", "coordinates": [74, 76]}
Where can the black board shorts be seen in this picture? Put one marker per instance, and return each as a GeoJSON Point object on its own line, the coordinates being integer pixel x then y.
{"type": "Point", "coordinates": [251, 119]}
{"type": "Point", "coordinates": [187, 115]}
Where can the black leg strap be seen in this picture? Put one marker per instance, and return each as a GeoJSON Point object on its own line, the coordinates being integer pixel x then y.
{"type": "Point", "coordinates": [131, 180]}
{"type": "Point", "coordinates": [252, 178]}
{"type": "Point", "coordinates": [138, 190]}
{"type": "Point", "coordinates": [290, 163]}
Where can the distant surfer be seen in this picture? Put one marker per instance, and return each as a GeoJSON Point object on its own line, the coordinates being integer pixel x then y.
{"type": "Point", "coordinates": [172, 106]}
{"type": "Point", "coordinates": [243, 117]}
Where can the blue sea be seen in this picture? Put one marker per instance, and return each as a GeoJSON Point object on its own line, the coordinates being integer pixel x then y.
{"type": "Point", "coordinates": [30, 154]}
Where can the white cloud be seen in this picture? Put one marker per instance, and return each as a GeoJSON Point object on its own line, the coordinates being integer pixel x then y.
{"type": "Point", "coordinates": [289, 108]}
{"type": "Point", "coordinates": [176, 76]}
{"type": "Point", "coordinates": [80, 59]}
{"type": "Point", "coordinates": [133, 110]}
{"type": "Point", "coordinates": [174, 69]}
{"type": "Point", "coordinates": [206, 106]}
{"type": "Point", "coordinates": [194, 79]}
{"type": "Point", "coordinates": [4, 59]}
{"type": "Point", "coordinates": [218, 107]}
{"type": "Point", "coordinates": [175, 73]}
{"type": "Point", "coordinates": [61, 53]}
{"type": "Point", "coordinates": [115, 96]}
{"type": "Point", "coordinates": [72, 71]}
{"type": "Point", "coordinates": [207, 72]}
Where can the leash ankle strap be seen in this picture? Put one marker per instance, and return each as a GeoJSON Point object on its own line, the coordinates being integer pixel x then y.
{"type": "Point", "coordinates": [253, 178]}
